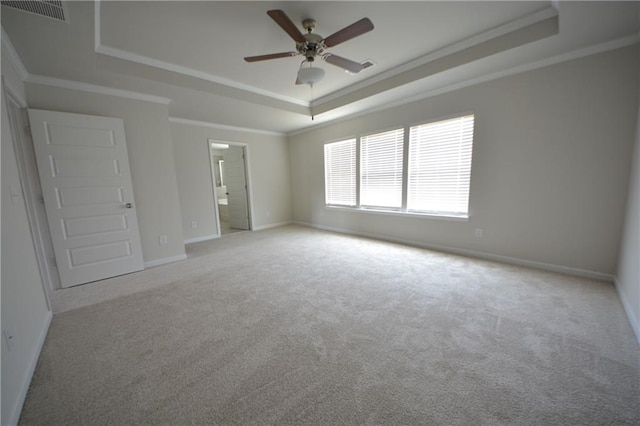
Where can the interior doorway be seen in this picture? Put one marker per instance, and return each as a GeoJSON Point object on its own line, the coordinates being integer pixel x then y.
{"type": "Point", "coordinates": [230, 176]}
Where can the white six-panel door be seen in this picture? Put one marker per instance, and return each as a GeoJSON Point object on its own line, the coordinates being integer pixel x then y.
{"type": "Point", "coordinates": [86, 183]}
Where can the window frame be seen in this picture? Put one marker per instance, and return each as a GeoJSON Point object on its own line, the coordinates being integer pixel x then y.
{"type": "Point", "coordinates": [402, 211]}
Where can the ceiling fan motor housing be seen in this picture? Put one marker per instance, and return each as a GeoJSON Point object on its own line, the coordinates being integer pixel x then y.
{"type": "Point", "coordinates": [312, 47]}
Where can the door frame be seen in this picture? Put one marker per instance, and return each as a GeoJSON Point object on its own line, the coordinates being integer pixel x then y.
{"type": "Point", "coordinates": [247, 175]}
{"type": "Point", "coordinates": [39, 226]}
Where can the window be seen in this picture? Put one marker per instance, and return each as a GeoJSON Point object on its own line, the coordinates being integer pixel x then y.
{"type": "Point", "coordinates": [381, 169]}
{"type": "Point", "coordinates": [340, 173]}
{"type": "Point", "coordinates": [427, 174]}
{"type": "Point", "coordinates": [440, 166]}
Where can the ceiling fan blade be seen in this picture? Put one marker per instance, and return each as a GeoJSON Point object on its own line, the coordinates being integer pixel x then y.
{"type": "Point", "coordinates": [270, 56]}
{"type": "Point", "coordinates": [286, 24]}
{"type": "Point", "coordinates": [344, 63]}
{"type": "Point", "coordinates": [354, 30]}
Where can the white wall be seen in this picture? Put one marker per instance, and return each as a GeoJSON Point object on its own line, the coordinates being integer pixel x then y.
{"type": "Point", "coordinates": [269, 172]}
{"type": "Point", "coordinates": [550, 166]}
{"type": "Point", "coordinates": [628, 279]}
{"type": "Point", "coordinates": [25, 313]}
{"type": "Point", "coordinates": [153, 173]}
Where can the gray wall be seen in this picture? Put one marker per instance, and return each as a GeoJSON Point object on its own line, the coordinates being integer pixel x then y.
{"type": "Point", "coordinates": [550, 166]}
{"type": "Point", "coordinates": [269, 172]}
{"type": "Point", "coordinates": [628, 279]}
{"type": "Point", "coordinates": [25, 313]}
{"type": "Point", "coordinates": [153, 172]}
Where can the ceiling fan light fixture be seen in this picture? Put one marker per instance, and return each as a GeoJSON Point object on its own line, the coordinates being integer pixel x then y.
{"type": "Point", "coordinates": [310, 75]}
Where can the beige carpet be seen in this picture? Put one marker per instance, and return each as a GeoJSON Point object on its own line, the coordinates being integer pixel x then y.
{"type": "Point", "coordinates": [295, 325]}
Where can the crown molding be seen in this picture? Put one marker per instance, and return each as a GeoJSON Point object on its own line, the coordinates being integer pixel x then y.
{"type": "Point", "coordinates": [94, 88]}
{"type": "Point", "coordinates": [179, 69]}
{"type": "Point", "coordinates": [223, 126]}
{"type": "Point", "coordinates": [554, 60]}
{"type": "Point", "coordinates": [10, 53]}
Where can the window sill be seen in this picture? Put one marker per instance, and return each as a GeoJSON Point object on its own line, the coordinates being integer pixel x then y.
{"type": "Point", "coordinates": [398, 213]}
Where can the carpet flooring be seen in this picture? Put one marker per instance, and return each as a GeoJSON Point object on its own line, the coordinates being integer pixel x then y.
{"type": "Point", "coordinates": [298, 326]}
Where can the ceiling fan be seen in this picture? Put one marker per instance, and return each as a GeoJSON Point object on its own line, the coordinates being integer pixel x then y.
{"type": "Point", "coordinates": [312, 45]}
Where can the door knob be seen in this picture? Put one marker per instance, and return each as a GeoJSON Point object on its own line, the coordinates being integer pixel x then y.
{"type": "Point", "coordinates": [128, 205]}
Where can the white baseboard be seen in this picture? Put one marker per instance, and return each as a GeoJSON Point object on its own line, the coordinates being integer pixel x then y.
{"type": "Point", "coordinates": [17, 410]}
{"type": "Point", "coordinates": [635, 324]}
{"type": "Point", "coordinates": [473, 253]}
{"type": "Point", "coordinates": [164, 260]}
{"type": "Point", "coordinates": [271, 225]}
{"type": "Point", "coordinates": [199, 239]}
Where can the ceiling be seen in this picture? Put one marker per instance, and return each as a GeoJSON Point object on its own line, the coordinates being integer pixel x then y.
{"type": "Point", "coordinates": [191, 52]}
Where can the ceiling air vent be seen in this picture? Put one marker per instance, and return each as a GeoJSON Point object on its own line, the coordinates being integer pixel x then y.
{"type": "Point", "coordinates": [366, 64]}
{"type": "Point", "coordinates": [54, 9]}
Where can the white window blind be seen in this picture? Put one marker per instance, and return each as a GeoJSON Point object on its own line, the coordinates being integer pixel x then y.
{"type": "Point", "coordinates": [440, 166]}
{"type": "Point", "coordinates": [340, 173]}
{"type": "Point", "coordinates": [381, 169]}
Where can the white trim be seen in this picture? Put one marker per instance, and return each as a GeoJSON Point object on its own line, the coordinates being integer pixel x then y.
{"type": "Point", "coordinates": [216, 208]}
{"type": "Point", "coordinates": [473, 253]}
{"type": "Point", "coordinates": [12, 54]}
{"type": "Point", "coordinates": [635, 324]}
{"type": "Point", "coordinates": [164, 261]}
{"type": "Point", "coordinates": [509, 27]}
{"type": "Point", "coordinates": [94, 88]}
{"type": "Point", "coordinates": [199, 239]}
{"type": "Point", "coordinates": [14, 417]}
{"type": "Point", "coordinates": [20, 140]}
{"type": "Point", "coordinates": [397, 213]}
{"type": "Point", "coordinates": [247, 172]}
{"type": "Point", "coordinates": [223, 126]}
{"type": "Point", "coordinates": [272, 225]}
{"type": "Point", "coordinates": [179, 69]}
{"type": "Point", "coordinates": [554, 60]}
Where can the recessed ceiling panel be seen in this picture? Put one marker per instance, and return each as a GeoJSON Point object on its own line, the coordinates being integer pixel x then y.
{"type": "Point", "coordinates": [214, 37]}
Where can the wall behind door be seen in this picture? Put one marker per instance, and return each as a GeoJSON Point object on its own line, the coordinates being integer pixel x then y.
{"type": "Point", "coordinates": [153, 173]}
{"type": "Point", "coordinates": [269, 170]}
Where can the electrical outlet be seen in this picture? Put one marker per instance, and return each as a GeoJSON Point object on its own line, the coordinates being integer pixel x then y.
{"type": "Point", "coordinates": [194, 224]}
{"type": "Point", "coordinates": [8, 338]}
{"type": "Point", "coordinates": [163, 239]}
{"type": "Point", "coordinates": [479, 232]}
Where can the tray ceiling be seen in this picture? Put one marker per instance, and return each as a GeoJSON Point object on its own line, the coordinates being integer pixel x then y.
{"type": "Point", "coordinates": [192, 52]}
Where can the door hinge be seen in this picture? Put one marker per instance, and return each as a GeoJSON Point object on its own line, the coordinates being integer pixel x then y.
{"type": "Point", "coordinates": [54, 263]}
{"type": "Point", "coordinates": [27, 130]}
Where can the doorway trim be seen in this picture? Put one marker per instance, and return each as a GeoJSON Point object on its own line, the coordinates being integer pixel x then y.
{"type": "Point", "coordinates": [18, 129]}
{"type": "Point", "coordinates": [247, 172]}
